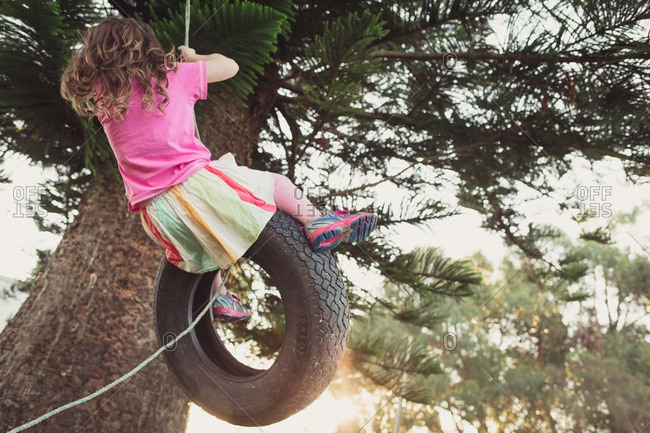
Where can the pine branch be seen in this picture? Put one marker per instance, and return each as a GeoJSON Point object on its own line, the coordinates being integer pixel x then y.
{"type": "Point", "coordinates": [386, 117]}
{"type": "Point", "coordinates": [369, 185]}
{"type": "Point", "coordinates": [296, 136]}
{"type": "Point", "coordinates": [597, 57]}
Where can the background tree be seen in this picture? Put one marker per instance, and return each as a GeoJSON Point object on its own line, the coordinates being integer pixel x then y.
{"type": "Point", "coordinates": [344, 97]}
{"type": "Point", "coordinates": [554, 354]}
{"type": "Point", "coordinates": [530, 351]}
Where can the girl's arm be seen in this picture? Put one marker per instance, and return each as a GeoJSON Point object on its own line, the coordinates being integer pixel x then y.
{"type": "Point", "coordinates": [218, 67]}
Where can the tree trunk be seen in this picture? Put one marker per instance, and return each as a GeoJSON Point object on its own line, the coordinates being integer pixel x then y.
{"type": "Point", "coordinates": [89, 320]}
{"type": "Point", "coordinates": [231, 128]}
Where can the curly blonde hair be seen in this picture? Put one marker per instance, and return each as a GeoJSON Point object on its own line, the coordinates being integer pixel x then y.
{"type": "Point", "coordinates": [115, 50]}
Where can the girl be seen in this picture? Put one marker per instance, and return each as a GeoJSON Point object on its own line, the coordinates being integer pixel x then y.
{"type": "Point", "coordinates": [205, 212]}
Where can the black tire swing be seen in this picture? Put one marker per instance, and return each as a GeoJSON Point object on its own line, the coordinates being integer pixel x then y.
{"type": "Point", "coordinates": [315, 333]}
{"type": "Point", "coordinates": [316, 321]}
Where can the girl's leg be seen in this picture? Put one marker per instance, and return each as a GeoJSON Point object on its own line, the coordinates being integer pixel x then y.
{"type": "Point", "coordinates": [291, 200]}
{"type": "Point", "coordinates": [216, 283]}
{"type": "Point", "coordinates": [227, 307]}
{"type": "Point", "coordinates": [325, 231]}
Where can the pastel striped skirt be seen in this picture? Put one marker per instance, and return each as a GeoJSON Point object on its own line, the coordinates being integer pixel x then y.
{"type": "Point", "coordinates": [211, 219]}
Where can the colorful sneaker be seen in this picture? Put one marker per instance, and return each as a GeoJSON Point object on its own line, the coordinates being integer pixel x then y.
{"type": "Point", "coordinates": [338, 226]}
{"type": "Point", "coordinates": [228, 308]}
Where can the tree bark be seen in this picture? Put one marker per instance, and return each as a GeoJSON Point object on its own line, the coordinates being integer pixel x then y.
{"type": "Point", "coordinates": [89, 320]}
{"type": "Point", "coordinates": [226, 126]}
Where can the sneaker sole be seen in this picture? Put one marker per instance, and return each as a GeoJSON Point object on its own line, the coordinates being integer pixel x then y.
{"type": "Point", "coordinates": [360, 228]}
{"type": "Point", "coordinates": [327, 240]}
{"type": "Point", "coordinates": [228, 319]}
{"type": "Point", "coordinates": [225, 315]}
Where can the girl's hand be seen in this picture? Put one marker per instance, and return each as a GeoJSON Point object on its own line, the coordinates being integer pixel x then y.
{"type": "Point", "coordinates": [218, 67]}
{"type": "Point", "coordinates": [187, 54]}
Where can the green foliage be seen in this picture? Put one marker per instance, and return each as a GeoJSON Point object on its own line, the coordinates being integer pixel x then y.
{"type": "Point", "coordinates": [429, 273]}
{"type": "Point", "coordinates": [350, 94]}
{"type": "Point", "coordinates": [381, 352]}
{"type": "Point", "coordinates": [38, 38]}
{"type": "Point", "coordinates": [600, 234]}
{"type": "Point", "coordinates": [338, 63]}
{"type": "Point", "coordinates": [286, 8]}
{"type": "Point", "coordinates": [244, 31]}
{"type": "Point", "coordinates": [573, 267]}
{"type": "Point", "coordinates": [393, 343]}
{"type": "Point", "coordinates": [37, 42]}
{"type": "Point", "coordinates": [530, 359]}
{"type": "Point", "coordinates": [534, 350]}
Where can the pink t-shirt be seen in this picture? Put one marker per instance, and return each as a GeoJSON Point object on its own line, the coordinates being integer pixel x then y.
{"type": "Point", "coordinates": [155, 151]}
